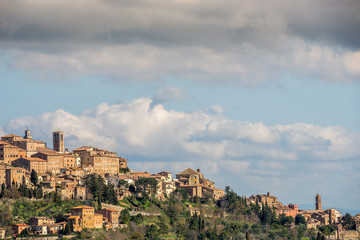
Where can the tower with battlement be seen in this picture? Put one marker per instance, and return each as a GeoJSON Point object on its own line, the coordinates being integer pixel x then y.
{"type": "Point", "coordinates": [318, 202]}
{"type": "Point", "coordinates": [27, 134]}
{"type": "Point", "coordinates": [58, 141]}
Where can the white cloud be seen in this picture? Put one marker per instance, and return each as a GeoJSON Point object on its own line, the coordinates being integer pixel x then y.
{"type": "Point", "coordinates": [134, 128]}
{"type": "Point", "coordinates": [352, 62]}
{"type": "Point", "coordinates": [2, 133]}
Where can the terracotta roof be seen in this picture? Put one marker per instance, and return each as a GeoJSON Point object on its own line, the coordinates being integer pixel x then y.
{"type": "Point", "coordinates": [11, 135]}
{"type": "Point", "coordinates": [82, 207]}
{"type": "Point", "coordinates": [188, 171]}
{"type": "Point", "coordinates": [47, 151]}
{"type": "Point", "coordinates": [83, 148]}
{"type": "Point", "coordinates": [21, 225]}
{"type": "Point", "coordinates": [111, 210]}
{"type": "Point", "coordinates": [33, 159]}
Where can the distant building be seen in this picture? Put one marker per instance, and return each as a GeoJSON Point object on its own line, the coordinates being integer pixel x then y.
{"type": "Point", "coordinates": [37, 164]}
{"type": "Point", "coordinates": [318, 202]}
{"type": "Point", "coordinates": [15, 175]}
{"type": "Point", "coordinates": [265, 199]}
{"type": "Point", "coordinates": [2, 233]}
{"type": "Point", "coordinates": [104, 162]}
{"type": "Point", "coordinates": [194, 183]}
{"type": "Point", "coordinates": [58, 141]}
{"type": "Point", "coordinates": [289, 210]}
{"type": "Point", "coordinates": [27, 143]}
{"type": "Point", "coordinates": [85, 217]}
{"type": "Point", "coordinates": [9, 152]}
{"type": "Point", "coordinates": [55, 160]}
{"type": "Point", "coordinates": [18, 228]}
{"type": "Point", "coordinates": [111, 216]}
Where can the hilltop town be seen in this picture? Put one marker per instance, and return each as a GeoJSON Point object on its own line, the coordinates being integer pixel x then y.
{"type": "Point", "coordinates": [96, 190]}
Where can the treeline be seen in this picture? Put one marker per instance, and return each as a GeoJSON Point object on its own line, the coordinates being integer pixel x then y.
{"type": "Point", "coordinates": [185, 217]}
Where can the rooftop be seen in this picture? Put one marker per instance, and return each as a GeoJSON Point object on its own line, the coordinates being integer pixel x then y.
{"type": "Point", "coordinates": [188, 171]}
{"type": "Point", "coordinates": [11, 135]}
{"type": "Point", "coordinates": [83, 207]}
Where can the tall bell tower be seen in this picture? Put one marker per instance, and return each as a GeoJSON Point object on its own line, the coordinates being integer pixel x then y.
{"type": "Point", "coordinates": [318, 202]}
{"type": "Point", "coordinates": [58, 141]}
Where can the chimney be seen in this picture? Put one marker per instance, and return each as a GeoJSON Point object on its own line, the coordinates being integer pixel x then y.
{"type": "Point", "coordinates": [268, 194]}
{"type": "Point", "coordinates": [198, 170]}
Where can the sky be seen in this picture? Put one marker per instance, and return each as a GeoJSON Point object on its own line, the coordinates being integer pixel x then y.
{"type": "Point", "coordinates": [262, 96]}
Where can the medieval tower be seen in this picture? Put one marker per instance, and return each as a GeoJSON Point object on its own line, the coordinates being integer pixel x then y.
{"type": "Point", "coordinates": [58, 141]}
{"type": "Point", "coordinates": [27, 134]}
{"type": "Point", "coordinates": [318, 202]}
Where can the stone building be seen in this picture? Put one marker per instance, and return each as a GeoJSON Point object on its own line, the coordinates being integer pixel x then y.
{"type": "Point", "coordinates": [104, 162]}
{"type": "Point", "coordinates": [2, 233]}
{"type": "Point", "coordinates": [16, 175]}
{"type": "Point", "coordinates": [18, 228]}
{"type": "Point", "coordinates": [37, 164]}
{"type": "Point", "coordinates": [85, 217]}
{"type": "Point", "coordinates": [111, 216]}
{"type": "Point", "coordinates": [2, 174]}
{"type": "Point", "coordinates": [9, 152]}
{"type": "Point", "coordinates": [289, 210]}
{"type": "Point", "coordinates": [318, 202]}
{"type": "Point", "coordinates": [194, 183]}
{"type": "Point", "coordinates": [71, 160]}
{"type": "Point", "coordinates": [55, 160]}
{"type": "Point", "coordinates": [58, 141]}
{"type": "Point", "coordinates": [265, 199]}
{"type": "Point", "coordinates": [26, 143]}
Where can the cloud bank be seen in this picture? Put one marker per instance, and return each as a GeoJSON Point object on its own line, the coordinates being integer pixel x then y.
{"type": "Point", "coordinates": [232, 152]}
{"type": "Point", "coordinates": [136, 128]}
{"type": "Point", "coordinates": [245, 42]}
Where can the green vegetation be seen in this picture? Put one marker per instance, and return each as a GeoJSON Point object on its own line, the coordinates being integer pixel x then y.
{"type": "Point", "coordinates": [101, 192]}
{"type": "Point", "coordinates": [25, 209]}
{"type": "Point", "coordinates": [177, 217]}
{"type": "Point", "coordinates": [34, 177]}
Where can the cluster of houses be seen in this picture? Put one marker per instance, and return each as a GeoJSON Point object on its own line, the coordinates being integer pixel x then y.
{"type": "Point", "coordinates": [63, 171]}
{"type": "Point", "coordinates": [81, 217]}
{"type": "Point", "coordinates": [314, 218]}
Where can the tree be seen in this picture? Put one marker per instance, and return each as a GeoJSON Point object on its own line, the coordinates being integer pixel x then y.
{"type": "Point", "coordinates": [247, 236]}
{"type": "Point", "coordinates": [34, 177]}
{"type": "Point", "coordinates": [284, 220]}
{"type": "Point", "coordinates": [152, 232]}
{"type": "Point", "coordinates": [132, 188]}
{"type": "Point", "coordinates": [300, 219]}
{"type": "Point", "coordinates": [68, 228]}
{"type": "Point", "coordinates": [348, 222]}
{"type": "Point", "coordinates": [180, 229]}
{"type": "Point", "coordinates": [146, 184]}
{"type": "Point", "coordinates": [266, 214]}
{"type": "Point", "coordinates": [122, 183]}
{"type": "Point", "coordinates": [138, 218]}
{"type": "Point", "coordinates": [327, 230]}
{"type": "Point", "coordinates": [124, 216]}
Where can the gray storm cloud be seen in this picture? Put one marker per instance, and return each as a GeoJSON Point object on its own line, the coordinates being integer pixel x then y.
{"type": "Point", "coordinates": [247, 42]}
